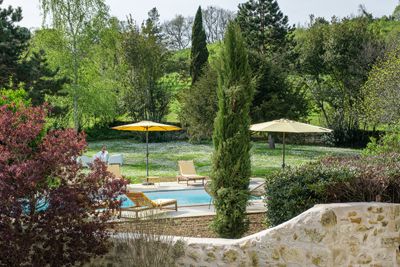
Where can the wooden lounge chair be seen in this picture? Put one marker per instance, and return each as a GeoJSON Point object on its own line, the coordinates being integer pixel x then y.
{"type": "Point", "coordinates": [258, 190]}
{"type": "Point", "coordinates": [142, 203]}
{"type": "Point", "coordinates": [187, 172]}
{"type": "Point", "coordinates": [115, 169]}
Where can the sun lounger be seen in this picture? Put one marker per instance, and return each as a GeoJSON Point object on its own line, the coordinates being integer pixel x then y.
{"type": "Point", "coordinates": [116, 159]}
{"type": "Point", "coordinates": [98, 156]}
{"type": "Point", "coordinates": [258, 191]}
{"type": "Point", "coordinates": [115, 169]}
{"type": "Point", "coordinates": [256, 188]}
{"type": "Point", "coordinates": [187, 172]}
{"type": "Point", "coordinates": [85, 161]}
{"type": "Point", "coordinates": [142, 203]}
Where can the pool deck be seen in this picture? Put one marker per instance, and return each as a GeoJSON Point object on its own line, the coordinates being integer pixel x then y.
{"type": "Point", "coordinates": [255, 206]}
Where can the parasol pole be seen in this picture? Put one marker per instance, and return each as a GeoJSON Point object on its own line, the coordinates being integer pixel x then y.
{"type": "Point", "coordinates": [283, 152]}
{"type": "Point", "coordinates": [147, 153]}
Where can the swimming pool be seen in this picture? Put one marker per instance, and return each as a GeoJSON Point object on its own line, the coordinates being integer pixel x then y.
{"type": "Point", "coordinates": [189, 197]}
{"type": "Point", "coordinates": [184, 197]}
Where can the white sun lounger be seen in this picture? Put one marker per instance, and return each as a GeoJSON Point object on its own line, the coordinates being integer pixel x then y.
{"type": "Point", "coordinates": [116, 159]}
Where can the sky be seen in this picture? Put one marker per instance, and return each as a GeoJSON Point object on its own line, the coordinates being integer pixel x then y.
{"type": "Point", "coordinates": [298, 11]}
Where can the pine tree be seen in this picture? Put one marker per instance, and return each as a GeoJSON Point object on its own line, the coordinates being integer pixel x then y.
{"type": "Point", "coordinates": [39, 79]}
{"type": "Point", "coordinates": [269, 39]}
{"type": "Point", "coordinates": [263, 24]}
{"type": "Point", "coordinates": [199, 52]}
{"type": "Point", "coordinates": [13, 42]}
{"type": "Point", "coordinates": [231, 159]}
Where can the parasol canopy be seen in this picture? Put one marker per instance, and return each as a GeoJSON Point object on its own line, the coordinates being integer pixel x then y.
{"type": "Point", "coordinates": [287, 126]}
{"type": "Point", "coordinates": [147, 126]}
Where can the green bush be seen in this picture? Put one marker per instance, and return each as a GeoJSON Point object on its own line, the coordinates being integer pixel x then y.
{"type": "Point", "coordinates": [292, 191]}
{"type": "Point", "coordinates": [15, 97]}
{"type": "Point", "coordinates": [199, 106]}
{"type": "Point", "coordinates": [332, 180]}
{"type": "Point", "coordinates": [388, 143]}
{"type": "Point", "coordinates": [104, 132]}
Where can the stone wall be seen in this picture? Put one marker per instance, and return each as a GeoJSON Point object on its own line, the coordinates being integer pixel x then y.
{"type": "Point", "coordinates": [351, 234]}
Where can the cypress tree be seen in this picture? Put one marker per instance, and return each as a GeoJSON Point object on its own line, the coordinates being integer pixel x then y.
{"type": "Point", "coordinates": [199, 52]}
{"type": "Point", "coordinates": [231, 159]}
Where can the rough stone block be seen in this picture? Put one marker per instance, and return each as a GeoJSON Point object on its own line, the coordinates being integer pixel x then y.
{"type": "Point", "coordinates": [230, 256]}
{"type": "Point", "coordinates": [356, 220]}
{"type": "Point", "coordinates": [364, 259]}
{"type": "Point", "coordinates": [328, 218]}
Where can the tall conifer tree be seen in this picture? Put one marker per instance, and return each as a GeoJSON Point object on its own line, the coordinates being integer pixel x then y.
{"type": "Point", "coordinates": [268, 37]}
{"type": "Point", "coordinates": [199, 52]}
{"type": "Point", "coordinates": [13, 42]}
{"type": "Point", "coordinates": [231, 159]}
{"type": "Point", "coordinates": [264, 25]}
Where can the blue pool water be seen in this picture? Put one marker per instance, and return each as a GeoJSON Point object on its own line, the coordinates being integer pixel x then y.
{"type": "Point", "coordinates": [184, 197]}
{"type": "Point", "coordinates": [188, 197]}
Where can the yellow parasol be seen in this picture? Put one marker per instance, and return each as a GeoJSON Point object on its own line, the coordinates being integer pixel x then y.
{"type": "Point", "coordinates": [147, 126]}
{"type": "Point", "coordinates": [287, 126]}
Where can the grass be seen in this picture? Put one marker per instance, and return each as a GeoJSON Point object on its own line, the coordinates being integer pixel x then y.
{"type": "Point", "coordinates": [163, 157]}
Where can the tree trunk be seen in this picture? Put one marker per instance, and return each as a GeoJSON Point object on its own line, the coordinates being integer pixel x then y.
{"type": "Point", "coordinates": [271, 141]}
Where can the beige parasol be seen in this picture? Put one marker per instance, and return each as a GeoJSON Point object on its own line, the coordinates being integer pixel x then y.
{"type": "Point", "coordinates": [287, 126]}
{"type": "Point", "coordinates": [147, 126]}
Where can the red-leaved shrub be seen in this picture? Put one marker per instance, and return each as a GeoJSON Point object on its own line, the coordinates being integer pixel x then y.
{"type": "Point", "coordinates": [375, 178]}
{"type": "Point", "coordinates": [49, 208]}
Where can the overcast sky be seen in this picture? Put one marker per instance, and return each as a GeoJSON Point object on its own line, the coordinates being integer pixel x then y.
{"type": "Point", "coordinates": [298, 11]}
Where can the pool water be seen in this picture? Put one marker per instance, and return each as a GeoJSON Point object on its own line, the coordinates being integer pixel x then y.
{"type": "Point", "coordinates": [184, 197]}
{"type": "Point", "coordinates": [188, 197]}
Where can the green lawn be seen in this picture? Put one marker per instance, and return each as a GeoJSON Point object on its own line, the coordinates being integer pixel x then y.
{"type": "Point", "coordinates": [164, 156]}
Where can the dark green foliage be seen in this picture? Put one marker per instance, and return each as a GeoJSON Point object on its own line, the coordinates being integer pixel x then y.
{"type": "Point", "coordinates": [231, 159]}
{"type": "Point", "coordinates": [104, 132]}
{"type": "Point", "coordinates": [293, 191]}
{"type": "Point", "coordinates": [16, 67]}
{"type": "Point", "coordinates": [13, 42]}
{"type": "Point", "coordinates": [332, 180]}
{"type": "Point", "coordinates": [199, 106]}
{"type": "Point", "coordinates": [199, 52]}
{"type": "Point", "coordinates": [145, 97]}
{"type": "Point", "coordinates": [275, 97]}
{"type": "Point", "coordinates": [264, 26]}
{"type": "Point", "coordinates": [39, 80]}
{"type": "Point", "coordinates": [271, 57]}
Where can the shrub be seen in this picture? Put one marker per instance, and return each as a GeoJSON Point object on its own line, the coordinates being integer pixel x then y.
{"type": "Point", "coordinates": [292, 191]}
{"type": "Point", "coordinates": [14, 98]}
{"type": "Point", "coordinates": [143, 244]}
{"type": "Point", "coordinates": [199, 106]}
{"type": "Point", "coordinates": [48, 206]}
{"type": "Point", "coordinates": [388, 143]}
{"type": "Point", "coordinates": [332, 180]}
{"type": "Point", "coordinates": [374, 178]}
